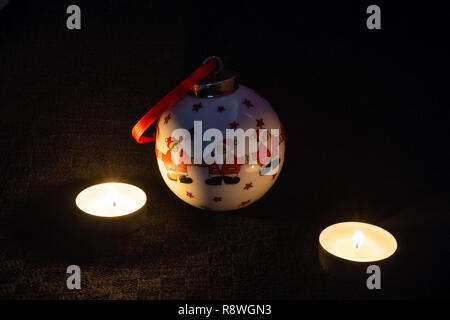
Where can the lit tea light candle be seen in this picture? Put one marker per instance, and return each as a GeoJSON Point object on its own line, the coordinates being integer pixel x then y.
{"type": "Point", "coordinates": [113, 205]}
{"type": "Point", "coordinates": [347, 248]}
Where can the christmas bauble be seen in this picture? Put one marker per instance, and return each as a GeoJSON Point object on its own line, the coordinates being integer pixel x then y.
{"type": "Point", "coordinates": [220, 102]}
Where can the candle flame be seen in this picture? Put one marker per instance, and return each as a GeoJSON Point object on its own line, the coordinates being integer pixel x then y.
{"type": "Point", "coordinates": [358, 238]}
{"type": "Point", "coordinates": [112, 194]}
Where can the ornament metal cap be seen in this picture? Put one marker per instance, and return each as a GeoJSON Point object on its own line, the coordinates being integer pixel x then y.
{"type": "Point", "coordinates": [219, 83]}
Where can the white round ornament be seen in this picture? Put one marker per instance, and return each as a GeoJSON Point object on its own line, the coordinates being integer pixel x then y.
{"type": "Point", "coordinates": [218, 102]}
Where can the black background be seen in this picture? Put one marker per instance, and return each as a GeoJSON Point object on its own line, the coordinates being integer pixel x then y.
{"type": "Point", "coordinates": [366, 119]}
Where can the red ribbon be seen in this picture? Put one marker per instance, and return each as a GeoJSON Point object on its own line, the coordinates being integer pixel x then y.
{"type": "Point", "coordinates": [169, 100]}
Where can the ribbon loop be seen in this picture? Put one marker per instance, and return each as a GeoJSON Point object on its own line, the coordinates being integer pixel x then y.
{"type": "Point", "coordinates": [169, 100]}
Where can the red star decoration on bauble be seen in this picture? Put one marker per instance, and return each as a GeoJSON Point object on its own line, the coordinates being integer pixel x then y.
{"type": "Point", "coordinates": [166, 119]}
{"type": "Point", "coordinates": [217, 199]}
{"type": "Point", "coordinates": [196, 107]}
{"type": "Point", "coordinates": [234, 125]}
{"type": "Point", "coordinates": [248, 186]}
{"type": "Point", "coordinates": [189, 194]}
{"type": "Point", "coordinates": [243, 203]}
{"type": "Point", "coordinates": [220, 109]}
{"type": "Point", "coordinates": [248, 103]}
{"type": "Point", "coordinates": [259, 123]}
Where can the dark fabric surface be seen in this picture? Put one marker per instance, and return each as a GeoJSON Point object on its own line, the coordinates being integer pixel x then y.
{"type": "Point", "coordinates": [366, 123]}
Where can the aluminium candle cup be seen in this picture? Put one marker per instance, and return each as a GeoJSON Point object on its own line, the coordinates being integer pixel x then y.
{"type": "Point", "coordinates": [339, 257]}
{"type": "Point", "coordinates": [111, 208]}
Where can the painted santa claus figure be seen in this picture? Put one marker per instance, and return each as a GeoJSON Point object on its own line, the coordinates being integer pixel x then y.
{"type": "Point", "coordinates": [219, 102]}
